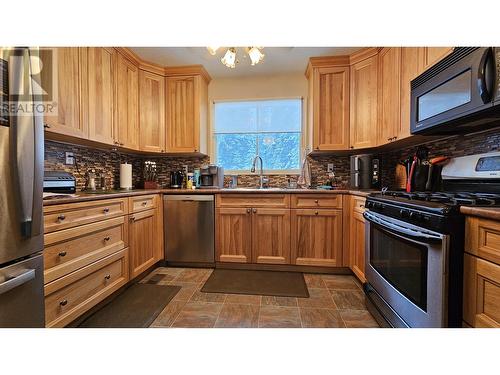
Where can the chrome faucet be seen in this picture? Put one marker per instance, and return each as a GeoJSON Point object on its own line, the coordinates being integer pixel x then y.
{"type": "Point", "coordinates": [261, 170]}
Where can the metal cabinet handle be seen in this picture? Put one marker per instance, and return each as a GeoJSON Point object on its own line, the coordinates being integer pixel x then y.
{"type": "Point", "coordinates": [248, 210]}
{"type": "Point", "coordinates": [316, 212]}
{"type": "Point", "coordinates": [62, 253]}
{"type": "Point", "coordinates": [64, 302]}
{"type": "Point", "coordinates": [17, 281]}
{"type": "Point", "coordinates": [106, 210]}
{"type": "Point", "coordinates": [254, 210]}
{"type": "Point", "coordinates": [107, 277]}
{"type": "Point", "coordinates": [46, 126]}
{"type": "Point", "coordinates": [107, 238]}
{"type": "Point", "coordinates": [61, 217]}
{"type": "Point", "coordinates": [122, 144]}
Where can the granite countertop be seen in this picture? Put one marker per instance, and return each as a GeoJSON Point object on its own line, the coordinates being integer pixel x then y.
{"type": "Point", "coordinates": [83, 196]}
{"type": "Point", "coordinates": [486, 212]}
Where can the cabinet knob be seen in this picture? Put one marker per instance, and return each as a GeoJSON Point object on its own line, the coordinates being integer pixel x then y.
{"type": "Point", "coordinates": [248, 210]}
{"type": "Point", "coordinates": [316, 201]}
{"type": "Point", "coordinates": [132, 219]}
{"type": "Point", "coordinates": [316, 212]}
{"type": "Point", "coordinates": [107, 277]}
{"type": "Point", "coordinates": [317, 147]}
{"type": "Point", "coordinates": [144, 203]}
{"type": "Point", "coordinates": [106, 210]}
{"type": "Point", "coordinates": [107, 238]}
{"type": "Point", "coordinates": [46, 126]}
{"type": "Point", "coordinates": [162, 150]}
{"type": "Point", "coordinates": [351, 147]}
{"type": "Point", "coordinates": [61, 217]}
{"type": "Point", "coordinates": [64, 302]}
{"type": "Point", "coordinates": [116, 143]}
{"type": "Point", "coordinates": [254, 210]}
{"type": "Point", "coordinates": [62, 254]}
{"type": "Point", "coordinates": [122, 144]}
{"type": "Point", "coordinates": [195, 150]}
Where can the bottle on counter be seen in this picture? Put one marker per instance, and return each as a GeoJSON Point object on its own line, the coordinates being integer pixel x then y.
{"type": "Point", "coordinates": [190, 182]}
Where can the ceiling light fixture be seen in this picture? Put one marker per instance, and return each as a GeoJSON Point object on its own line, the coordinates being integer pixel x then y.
{"type": "Point", "coordinates": [230, 60]}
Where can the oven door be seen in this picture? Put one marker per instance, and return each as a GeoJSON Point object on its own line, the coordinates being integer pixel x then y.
{"type": "Point", "coordinates": [458, 86]}
{"type": "Point", "coordinates": [406, 265]}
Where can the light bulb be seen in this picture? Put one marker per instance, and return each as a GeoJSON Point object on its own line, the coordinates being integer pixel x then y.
{"type": "Point", "coordinates": [212, 50]}
{"type": "Point", "coordinates": [229, 58]}
{"type": "Point", "coordinates": [256, 56]}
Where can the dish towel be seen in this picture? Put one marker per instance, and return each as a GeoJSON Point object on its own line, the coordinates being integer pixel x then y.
{"type": "Point", "coordinates": [304, 180]}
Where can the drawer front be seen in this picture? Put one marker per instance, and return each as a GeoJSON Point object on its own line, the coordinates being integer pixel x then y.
{"type": "Point", "coordinates": [69, 297]}
{"type": "Point", "coordinates": [70, 215]}
{"type": "Point", "coordinates": [253, 200]}
{"type": "Point", "coordinates": [70, 249]}
{"type": "Point", "coordinates": [358, 204]}
{"type": "Point", "coordinates": [143, 202]}
{"type": "Point", "coordinates": [482, 238]}
{"type": "Point", "coordinates": [317, 201]}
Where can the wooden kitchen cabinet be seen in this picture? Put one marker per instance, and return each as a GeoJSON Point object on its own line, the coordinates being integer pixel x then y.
{"type": "Point", "coordinates": [434, 54]}
{"type": "Point", "coordinates": [143, 241]}
{"type": "Point", "coordinates": [151, 112]}
{"type": "Point", "coordinates": [363, 103]}
{"type": "Point", "coordinates": [99, 94]}
{"type": "Point", "coordinates": [316, 238]}
{"type": "Point", "coordinates": [69, 67]}
{"type": "Point", "coordinates": [271, 235]}
{"type": "Point", "coordinates": [389, 88]}
{"type": "Point", "coordinates": [186, 114]}
{"type": "Point", "coordinates": [233, 238]}
{"type": "Point", "coordinates": [127, 103]}
{"type": "Point", "coordinates": [329, 107]}
{"type": "Point", "coordinates": [357, 237]}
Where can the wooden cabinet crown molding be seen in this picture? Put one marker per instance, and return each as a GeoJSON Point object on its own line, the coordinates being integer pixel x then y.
{"type": "Point", "coordinates": [326, 61]}
{"type": "Point", "coordinates": [363, 54]}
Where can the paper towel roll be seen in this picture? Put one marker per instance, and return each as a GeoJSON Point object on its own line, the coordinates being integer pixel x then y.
{"type": "Point", "coordinates": [125, 176]}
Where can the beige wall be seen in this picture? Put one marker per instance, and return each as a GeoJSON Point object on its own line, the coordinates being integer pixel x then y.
{"type": "Point", "coordinates": [248, 88]}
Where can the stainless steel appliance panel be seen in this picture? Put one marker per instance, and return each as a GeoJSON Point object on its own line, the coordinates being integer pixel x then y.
{"type": "Point", "coordinates": [189, 228]}
{"type": "Point", "coordinates": [21, 294]}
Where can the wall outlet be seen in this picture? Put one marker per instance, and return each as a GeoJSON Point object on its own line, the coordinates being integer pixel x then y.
{"type": "Point", "coordinates": [69, 158]}
{"type": "Point", "coordinates": [329, 167]}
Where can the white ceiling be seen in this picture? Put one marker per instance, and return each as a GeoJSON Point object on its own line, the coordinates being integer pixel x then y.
{"type": "Point", "coordinates": [278, 60]}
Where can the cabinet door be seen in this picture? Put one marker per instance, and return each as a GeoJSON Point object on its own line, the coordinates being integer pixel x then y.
{"type": "Point", "coordinates": [331, 109]}
{"type": "Point", "coordinates": [271, 235]}
{"type": "Point", "coordinates": [363, 116]}
{"type": "Point", "coordinates": [357, 244]}
{"type": "Point", "coordinates": [127, 103]}
{"type": "Point", "coordinates": [435, 54]}
{"type": "Point", "coordinates": [316, 237]}
{"type": "Point", "coordinates": [152, 112]}
{"type": "Point", "coordinates": [481, 292]}
{"type": "Point", "coordinates": [233, 238]}
{"type": "Point", "coordinates": [183, 114]}
{"type": "Point", "coordinates": [101, 94]}
{"type": "Point", "coordinates": [68, 68]}
{"type": "Point", "coordinates": [389, 94]}
{"type": "Point", "coordinates": [143, 241]}
{"type": "Point", "coordinates": [412, 63]}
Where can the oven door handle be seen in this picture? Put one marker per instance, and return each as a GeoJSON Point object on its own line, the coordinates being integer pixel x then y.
{"type": "Point", "coordinates": [399, 228]}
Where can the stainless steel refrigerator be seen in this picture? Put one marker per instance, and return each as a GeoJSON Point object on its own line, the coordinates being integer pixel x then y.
{"type": "Point", "coordinates": [21, 181]}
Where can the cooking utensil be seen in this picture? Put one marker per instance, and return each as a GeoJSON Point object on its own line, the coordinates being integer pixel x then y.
{"type": "Point", "coordinates": [410, 175]}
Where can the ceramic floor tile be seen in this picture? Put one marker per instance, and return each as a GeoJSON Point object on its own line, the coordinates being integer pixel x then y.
{"type": "Point", "coordinates": [208, 297]}
{"type": "Point", "coordinates": [279, 317]}
{"type": "Point", "coordinates": [320, 298]}
{"type": "Point", "coordinates": [279, 301]}
{"type": "Point", "coordinates": [320, 318]}
{"type": "Point", "coordinates": [243, 299]}
{"type": "Point", "coordinates": [314, 281]}
{"type": "Point", "coordinates": [192, 275]}
{"type": "Point", "coordinates": [198, 315]}
{"type": "Point", "coordinates": [238, 316]}
{"type": "Point", "coordinates": [340, 282]}
{"type": "Point", "coordinates": [173, 271]}
{"type": "Point", "coordinates": [186, 292]}
{"type": "Point", "coordinates": [169, 313]}
{"type": "Point", "coordinates": [349, 299]}
{"type": "Point", "coordinates": [160, 279]}
{"type": "Point", "coordinates": [358, 319]}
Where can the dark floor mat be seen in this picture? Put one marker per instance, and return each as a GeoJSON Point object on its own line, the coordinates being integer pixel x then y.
{"type": "Point", "coordinates": [267, 283]}
{"type": "Point", "coordinates": [136, 307]}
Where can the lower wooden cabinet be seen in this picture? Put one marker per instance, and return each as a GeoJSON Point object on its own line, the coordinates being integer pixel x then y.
{"type": "Point", "coordinates": [481, 306]}
{"type": "Point", "coordinates": [357, 245]}
{"type": "Point", "coordinates": [271, 235]}
{"type": "Point", "coordinates": [316, 237]}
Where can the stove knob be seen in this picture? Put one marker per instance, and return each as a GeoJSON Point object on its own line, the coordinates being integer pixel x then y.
{"type": "Point", "coordinates": [403, 213]}
{"type": "Point", "coordinates": [415, 216]}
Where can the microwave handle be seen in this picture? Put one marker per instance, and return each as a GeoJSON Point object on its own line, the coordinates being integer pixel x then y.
{"type": "Point", "coordinates": [485, 79]}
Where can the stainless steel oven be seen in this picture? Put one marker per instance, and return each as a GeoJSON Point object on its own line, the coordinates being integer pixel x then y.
{"type": "Point", "coordinates": [406, 271]}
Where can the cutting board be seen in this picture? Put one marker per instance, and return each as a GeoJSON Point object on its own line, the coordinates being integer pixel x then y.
{"type": "Point", "coordinates": [400, 177]}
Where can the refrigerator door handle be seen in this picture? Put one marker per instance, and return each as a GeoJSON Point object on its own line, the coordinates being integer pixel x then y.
{"type": "Point", "coordinates": [19, 280]}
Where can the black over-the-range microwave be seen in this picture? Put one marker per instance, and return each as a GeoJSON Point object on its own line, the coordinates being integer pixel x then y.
{"type": "Point", "coordinates": [459, 94]}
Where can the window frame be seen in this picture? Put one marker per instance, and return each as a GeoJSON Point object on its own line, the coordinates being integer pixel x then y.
{"type": "Point", "coordinates": [237, 172]}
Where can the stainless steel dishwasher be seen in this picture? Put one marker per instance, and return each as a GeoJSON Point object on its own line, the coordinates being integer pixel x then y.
{"type": "Point", "coordinates": [189, 229]}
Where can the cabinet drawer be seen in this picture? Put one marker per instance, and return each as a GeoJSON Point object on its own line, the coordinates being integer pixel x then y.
{"type": "Point", "coordinates": [358, 204]}
{"type": "Point", "coordinates": [143, 202]}
{"type": "Point", "coordinates": [316, 201]}
{"type": "Point", "coordinates": [253, 200]}
{"type": "Point", "coordinates": [64, 216]}
{"type": "Point", "coordinates": [70, 249]}
{"type": "Point", "coordinates": [482, 238]}
{"type": "Point", "coordinates": [70, 296]}
{"type": "Point", "coordinates": [481, 292]}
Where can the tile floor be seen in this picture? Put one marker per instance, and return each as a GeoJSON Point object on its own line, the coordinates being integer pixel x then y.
{"type": "Point", "coordinates": [336, 301]}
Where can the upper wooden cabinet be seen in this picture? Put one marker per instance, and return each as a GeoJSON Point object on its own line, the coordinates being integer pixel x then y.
{"type": "Point", "coordinates": [328, 105]}
{"type": "Point", "coordinates": [363, 108]}
{"type": "Point", "coordinates": [99, 94]}
{"type": "Point", "coordinates": [186, 114]}
{"type": "Point", "coordinates": [389, 94]}
{"type": "Point", "coordinates": [69, 69]}
{"type": "Point", "coordinates": [152, 112]}
{"type": "Point", "coordinates": [432, 55]}
{"type": "Point", "coordinates": [127, 103]}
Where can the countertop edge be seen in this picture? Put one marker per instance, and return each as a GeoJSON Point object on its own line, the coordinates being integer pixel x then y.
{"type": "Point", "coordinates": [485, 212]}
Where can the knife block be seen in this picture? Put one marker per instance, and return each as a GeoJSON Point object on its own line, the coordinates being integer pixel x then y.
{"type": "Point", "coordinates": [150, 185]}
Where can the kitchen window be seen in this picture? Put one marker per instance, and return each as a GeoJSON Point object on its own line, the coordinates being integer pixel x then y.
{"type": "Point", "coordinates": [269, 128]}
